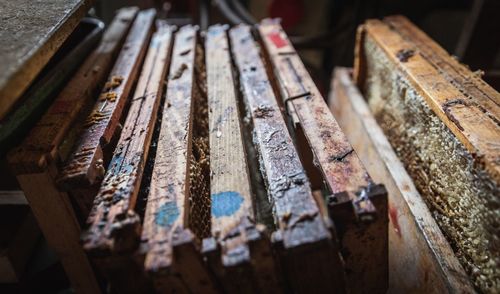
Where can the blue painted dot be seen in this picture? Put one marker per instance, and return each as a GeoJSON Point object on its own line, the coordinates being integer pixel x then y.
{"type": "Point", "coordinates": [167, 214]}
{"type": "Point", "coordinates": [226, 203]}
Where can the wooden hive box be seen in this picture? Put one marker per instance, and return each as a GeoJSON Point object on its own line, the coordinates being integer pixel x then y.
{"type": "Point", "coordinates": [443, 122]}
{"type": "Point", "coordinates": [224, 171]}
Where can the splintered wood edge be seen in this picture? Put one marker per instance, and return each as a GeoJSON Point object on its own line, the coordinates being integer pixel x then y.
{"type": "Point", "coordinates": [231, 197]}
{"type": "Point", "coordinates": [339, 164]}
{"type": "Point", "coordinates": [476, 127]}
{"type": "Point", "coordinates": [363, 131]}
{"type": "Point", "coordinates": [113, 224]}
{"type": "Point", "coordinates": [85, 164]}
{"type": "Point", "coordinates": [280, 164]}
{"type": "Point", "coordinates": [14, 85]}
{"type": "Point", "coordinates": [165, 231]}
{"type": "Point", "coordinates": [41, 145]}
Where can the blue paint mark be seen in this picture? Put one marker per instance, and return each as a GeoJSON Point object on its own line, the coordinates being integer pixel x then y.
{"type": "Point", "coordinates": [226, 203]}
{"type": "Point", "coordinates": [167, 214]}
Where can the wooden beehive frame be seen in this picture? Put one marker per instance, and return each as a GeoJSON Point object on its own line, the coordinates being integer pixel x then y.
{"type": "Point", "coordinates": [417, 247]}
{"type": "Point", "coordinates": [164, 250]}
{"type": "Point", "coordinates": [34, 162]}
{"type": "Point", "coordinates": [356, 203]}
{"type": "Point", "coordinates": [85, 166]}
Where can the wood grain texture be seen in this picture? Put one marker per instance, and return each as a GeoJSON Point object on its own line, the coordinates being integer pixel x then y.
{"type": "Point", "coordinates": [60, 228]}
{"type": "Point", "coordinates": [295, 211]}
{"type": "Point", "coordinates": [114, 226]}
{"type": "Point", "coordinates": [171, 250]}
{"type": "Point", "coordinates": [418, 250]}
{"type": "Point", "coordinates": [231, 199]}
{"type": "Point", "coordinates": [35, 165]}
{"type": "Point", "coordinates": [85, 165]}
{"type": "Point", "coordinates": [41, 145]}
{"type": "Point", "coordinates": [356, 204]}
{"type": "Point", "coordinates": [31, 33]}
{"type": "Point", "coordinates": [467, 105]}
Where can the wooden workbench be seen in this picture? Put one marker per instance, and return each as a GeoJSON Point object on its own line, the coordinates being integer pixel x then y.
{"type": "Point", "coordinates": [31, 32]}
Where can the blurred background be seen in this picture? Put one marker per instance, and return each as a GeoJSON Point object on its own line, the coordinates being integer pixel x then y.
{"type": "Point", "coordinates": [324, 30]}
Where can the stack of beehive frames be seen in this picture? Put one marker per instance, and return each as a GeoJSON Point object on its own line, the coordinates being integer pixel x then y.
{"type": "Point", "coordinates": [177, 203]}
{"type": "Point", "coordinates": [443, 122]}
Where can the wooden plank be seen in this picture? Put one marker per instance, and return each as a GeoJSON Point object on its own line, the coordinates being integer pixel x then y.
{"type": "Point", "coordinates": [438, 128]}
{"type": "Point", "coordinates": [114, 226]}
{"type": "Point", "coordinates": [85, 166]}
{"type": "Point", "coordinates": [418, 250]}
{"type": "Point", "coordinates": [41, 145]}
{"type": "Point", "coordinates": [231, 199]}
{"type": "Point", "coordinates": [31, 33]}
{"type": "Point", "coordinates": [295, 211]}
{"type": "Point", "coordinates": [36, 173]}
{"type": "Point", "coordinates": [60, 228]}
{"type": "Point", "coordinates": [357, 205]}
{"type": "Point", "coordinates": [37, 98]}
{"type": "Point", "coordinates": [169, 246]}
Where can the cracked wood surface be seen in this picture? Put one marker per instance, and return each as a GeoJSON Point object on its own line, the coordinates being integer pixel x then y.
{"type": "Point", "coordinates": [341, 168]}
{"type": "Point", "coordinates": [85, 165]}
{"type": "Point", "coordinates": [114, 226]}
{"type": "Point", "coordinates": [169, 246]}
{"type": "Point", "coordinates": [357, 206]}
{"type": "Point", "coordinates": [41, 145]}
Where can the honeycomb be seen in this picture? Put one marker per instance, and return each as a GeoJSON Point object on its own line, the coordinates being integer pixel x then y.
{"type": "Point", "coordinates": [463, 199]}
{"type": "Point", "coordinates": [199, 215]}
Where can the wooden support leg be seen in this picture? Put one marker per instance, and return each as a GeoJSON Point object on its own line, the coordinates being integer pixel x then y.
{"type": "Point", "coordinates": [60, 227]}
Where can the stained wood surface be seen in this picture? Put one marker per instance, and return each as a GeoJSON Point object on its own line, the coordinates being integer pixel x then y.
{"type": "Point", "coordinates": [86, 163]}
{"type": "Point", "coordinates": [295, 211]}
{"type": "Point", "coordinates": [468, 106]}
{"type": "Point", "coordinates": [31, 33]}
{"type": "Point", "coordinates": [420, 258]}
{"type": "Point", "coordinates": [41, 145]}
{"type": "Point", "coordinates": [36, 168]}
{"type": "Point", "coordinates": [169, 246]}
{"type": "Point", "coordinates": [231, 199]}
{"type": "Point", "coordinates": [114, 226]}
{"type": "Point", "coordinates": [358, 207]}
{"type": "Point", "coordinates": [341, 168]}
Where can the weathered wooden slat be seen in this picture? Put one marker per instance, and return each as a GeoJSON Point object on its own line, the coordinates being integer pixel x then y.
{"type": "Point", "coordinates": [444, 126]}
{"type": "Point", "coordinates": [85, 165]}
{"type": "Point", "coordinates": [355, 200]}
{"type": "Point", "coordinates": [295, 211]}
{"type": "Point", "coordinates": [114, 226]}
{"type": "Point", "coordinates": [41, 145]}
{"type": "Point", "coordinates": [169, 246]}
{"type": "Point", "coordinates": [35, 167]}
{"type": "Point", "coordinates": [418, 250]}
{"type": "Point", "coordinates": [231, 199]}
